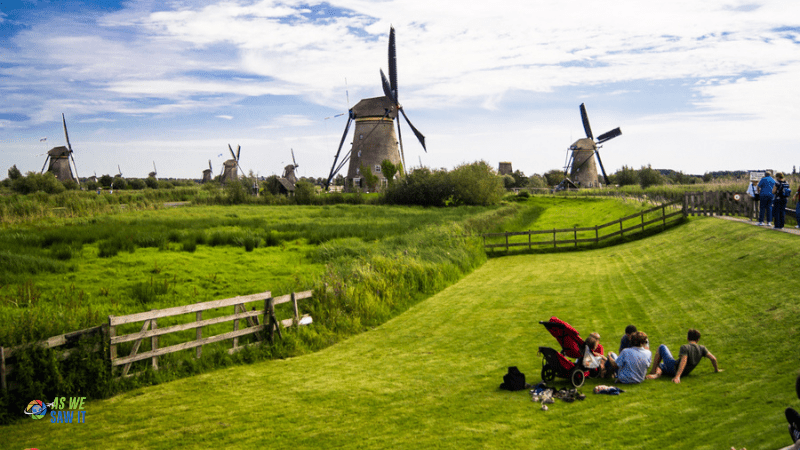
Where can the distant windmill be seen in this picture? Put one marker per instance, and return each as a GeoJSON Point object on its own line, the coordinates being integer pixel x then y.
{"type": "Point", "coordinates": [154, 173]}
{"type": "Point", "coordinates": [229, 171]}
{"type": "Point", "coordinates": [374, 139]}
{"type": "Point", "coordinates": [60, 157]}
{"type": "Point", "coordinates": [119, 174]}
{"type": "Point", "coordinates": [288, 181]}
{"type": "Point", "coordinates": [207, 173]}
{"type": "Point", "coordinates": [581, 167]}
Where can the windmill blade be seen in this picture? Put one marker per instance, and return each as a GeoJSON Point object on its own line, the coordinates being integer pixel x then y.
{"type": "Point", "coordinates": [293, 160]}
{"type": "Point", "coordinates": [334, 169]}
{"type": "Point", "coordinates": [585, 118]}
{"type": "Point", "coordinates": [392, 64]}
{"type": "Point", "coordinates": [387, 87]}
{"type": "Point", "coordinates": [78, 180]}
{"type": "Point", "coordinates": [419, 135]}
{"type": "Point", "coordinates": [64, 121]}
{"type": "Point", "coordinates": [119, 170]}
{"type": "Point", "coordinates": [608, 136]}
{"type": "Point", "coordinates": [154, 168]}
{"type": "Point", "coordinates": [209, 166]}
{"type": "Point", "coordinates": [402, 153]}
{"type": "Point", "coordinates": [47, 158]}
{"type": "Point", "coordinates": [602, 169]}
{"type": "Point", "coordinates": [233, 155]}
{"type": "Point", "coordinates": [238, 152]}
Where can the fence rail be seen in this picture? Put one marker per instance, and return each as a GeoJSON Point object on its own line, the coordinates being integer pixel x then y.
{"type": "Point", "coordinates": [590, 235]}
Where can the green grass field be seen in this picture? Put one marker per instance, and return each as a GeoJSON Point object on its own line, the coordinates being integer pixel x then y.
{"type": "Point", "coordinates": [429, 377]}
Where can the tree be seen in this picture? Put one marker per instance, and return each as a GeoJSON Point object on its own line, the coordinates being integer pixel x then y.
{"type": "Point", "coordinates": [520, 180]}
{"type": "Point", "coordinates": [106, 180]}
{"type": "Point", "coordinates": [626, 176]}
{"type": "Point", "coordinates": [554, 177]}
{"type": "Point", "coordinates": [370, 179]}
{"type": "Point", "coordinates": [14, 173]}
{"type": "Point", "coordinates": [536, 181]}
{"type": "Point", "coordinates": [707, 177]}
{"type": "Point", "coordinates": [304, 193]}
{"type": "Point", "coordinates": [338, 180]}
{"type": "Point", "coordinates": [649, 177]}
{"type": "Point", "coordinates": [476, 184]}
{"type": "Point", "coordinates": [389, 170]}
{"type": "Point", "coordinates": [151, 182]}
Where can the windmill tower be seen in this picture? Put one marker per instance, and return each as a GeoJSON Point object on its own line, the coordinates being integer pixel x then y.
{"type": "Point", "coordinates": [229, 171]}
{"type": "Point", "coordinates": [288, 181]}
{"type": "Point", "coordinates": [581, 167]}
{"type": "Point", "coordinates": [154, 173]}
{"type": "Point", "coordinates": [60, 157]}
{"type": "Point", "coordinates": [207, 173]}
{"type": "Point", "coordinates": [374, 139]}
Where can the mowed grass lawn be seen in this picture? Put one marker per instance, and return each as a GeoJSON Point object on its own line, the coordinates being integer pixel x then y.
{"type": "Point", "coordinates": [429, 378]}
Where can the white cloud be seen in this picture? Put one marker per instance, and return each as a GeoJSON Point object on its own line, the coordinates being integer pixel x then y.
{"type": "Point", "coordinates": [226, 117]}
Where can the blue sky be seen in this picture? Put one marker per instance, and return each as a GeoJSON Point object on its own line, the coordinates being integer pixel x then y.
{"type": "Point", "coordinates": [695, 86]}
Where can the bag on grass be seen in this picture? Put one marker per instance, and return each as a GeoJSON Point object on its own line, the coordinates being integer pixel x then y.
{"type": "Point", "coordinates": [514, 380]}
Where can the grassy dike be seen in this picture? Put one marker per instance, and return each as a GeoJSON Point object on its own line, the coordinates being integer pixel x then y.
{"type": "Point", "coordinates": [429, 378]}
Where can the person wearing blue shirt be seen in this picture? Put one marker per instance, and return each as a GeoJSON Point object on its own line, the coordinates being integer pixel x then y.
{"type": "Point", "coordinates": [634, 361]}
{"type": "Point", "coordinates": [765, 198]}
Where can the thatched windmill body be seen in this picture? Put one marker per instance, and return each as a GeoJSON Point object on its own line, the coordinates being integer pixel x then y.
{"type": "Point", "coordinates": [229, 167]}
{"type": "Point", "coordinates": [61, 159]}
{"type": "Point", "coordinates": [374, 139]}
{"type": "Point", "coordinates": [207, 173]}
{"type": "Point", "coordinates": [581, 167]}
{"type": "Point", "coordinates": [288, 181]}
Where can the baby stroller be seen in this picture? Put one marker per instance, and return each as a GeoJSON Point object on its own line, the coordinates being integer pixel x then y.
{"type": "Point", "coordinates": [555, 364]}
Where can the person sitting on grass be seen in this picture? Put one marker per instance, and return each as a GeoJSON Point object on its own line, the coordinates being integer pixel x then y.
{"type": "Point", "coordinates": [625, 342]}
{"type": "Point", "coordinates": [633, 361]}
{"type": "Point", "coordinates": [793, 417]}
{"type": "Point", "coordinates": [688, 358]}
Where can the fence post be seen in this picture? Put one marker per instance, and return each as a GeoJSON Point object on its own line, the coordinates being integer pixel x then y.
{"type": "Point", "coordinates": [296, 313]}
{"type": "Point", "coordinates": [236, 325]}
{"type": "Point", "coordinates": [575, 234]}
{"type": "Point", "coordinates": [596, 236]}
{"type": "Point", "coordinates": [199, 334]}
{"type": "Point", "coordinates": [642, 222]}
{"type": "Point", "coordinates": [154, 343]}
{"type": "Point", "coordinates": [3, 369]}
{"type": "Point", "coordinates": [663, 217]}
{"type": "Point", "coordinates": [112, 348]}
{"type": "Point", "coordinates": [554, 238]}
{"type": "Point", "coordinates": [621, 230]}
{"type": "Point", "coordinates": [506, 241]}
{"type": "Point", "coordinates": [269, 312]}
{"type": "Point", "coordinates": [529, 239]}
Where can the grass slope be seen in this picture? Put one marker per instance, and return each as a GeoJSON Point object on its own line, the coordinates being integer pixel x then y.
{"type": "Point", "coordinates": [429, 378]}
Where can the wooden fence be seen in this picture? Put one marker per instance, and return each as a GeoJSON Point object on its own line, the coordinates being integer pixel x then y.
{"type": "Point", "coordinates": [719, 204]}
{"type": "Point", "coordinates": [661, 215]}
{"type": "Point", "coordinates": [264, 330]}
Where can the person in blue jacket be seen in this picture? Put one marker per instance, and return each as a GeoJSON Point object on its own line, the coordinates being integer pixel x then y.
{"type": "Point", "coordinates": [779, 204]}
{"type": "Point", "coordinates": [765, 198]}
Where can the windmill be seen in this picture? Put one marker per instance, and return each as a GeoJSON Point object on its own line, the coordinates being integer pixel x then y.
{"type": "Point", "coordinates": [374, 139]}
{"type": "Point", "coordinates": [229, 171]}
{"type": "Point", "coordinates": [207, 173]}
{"type": "Point", "coordinates": [154, 173]}
{"type": "Point", "coordinates": [119, 174]}
{"type": "Point", "coordinates": [289, 180]}
{"type": "Point", "coordinates": [60, 157]}
{"type": "Point", "coordinates": [581, 167]}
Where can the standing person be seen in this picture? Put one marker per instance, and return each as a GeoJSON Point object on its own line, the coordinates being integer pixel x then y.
{"type": "Point", "coordinates": [633, 362]}
{"type": "Point", "coordinates": [688, 358]}
{"type": "Point", "coordinates": [625, 342]}
{"type": "Point", "coordinates": [779, 191]}
{"type": "Point", "coordinates": [765, 198]}
{"type": "Point", "coordinates": [752, 191]}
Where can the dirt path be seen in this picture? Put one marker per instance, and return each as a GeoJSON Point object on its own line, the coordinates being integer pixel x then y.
{"type": "Point", "coordinates": [788, 229]}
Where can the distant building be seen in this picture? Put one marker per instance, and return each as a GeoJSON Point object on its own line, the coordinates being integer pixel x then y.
{"type": "Point", "coordinates": [505, 168]}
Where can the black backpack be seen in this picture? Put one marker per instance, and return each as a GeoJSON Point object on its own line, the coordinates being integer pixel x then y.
{"type": "Point", "coordinates": [514, 380]}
